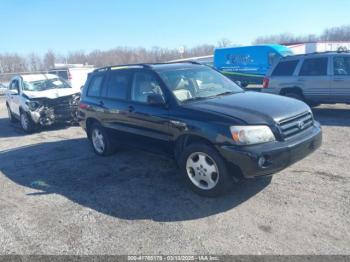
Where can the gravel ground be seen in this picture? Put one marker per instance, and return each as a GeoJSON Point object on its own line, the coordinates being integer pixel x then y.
{"type": "Point", "coordinates": [57, 197]}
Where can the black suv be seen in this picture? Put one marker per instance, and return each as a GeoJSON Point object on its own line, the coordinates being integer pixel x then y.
{"type": "Point", "coordinates": [214, 129]}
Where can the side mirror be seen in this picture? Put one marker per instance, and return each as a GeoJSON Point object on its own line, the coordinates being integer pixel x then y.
{"type": "Point", "coordinates": [14, 92]}
{"type": "Point", "coordinates": [155, 99]}
{"type": "Point", "coordinates": [239, 83]}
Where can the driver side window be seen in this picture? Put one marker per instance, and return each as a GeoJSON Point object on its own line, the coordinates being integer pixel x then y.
{"type": "Point", "coordinates": [144, 84]}
{"type": "Point", "coordinates": [14, 85]}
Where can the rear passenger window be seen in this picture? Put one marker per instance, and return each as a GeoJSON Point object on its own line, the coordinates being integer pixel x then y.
{"type": "Point", "coordinates": [95, 85]}
{"type": "Point", "coordinates": [285, 68]}
{"type": "Point", "coordinates": [314, 67]}
{"type": "Point", "coordinates": [341, 65]}
{"type": "Point", "coordinates": [118, 84]}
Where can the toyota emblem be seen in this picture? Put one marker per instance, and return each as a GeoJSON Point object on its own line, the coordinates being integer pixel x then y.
{"type": "Point", "coordinates": [301, 125]}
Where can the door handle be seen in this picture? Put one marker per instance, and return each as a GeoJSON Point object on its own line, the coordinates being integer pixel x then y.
{"type": "Point", "coordinates": [301, 79]}
{"type": "Point", "coordinates": [131, 109]}
{"type": "Point", "coordinates": [338, 79]}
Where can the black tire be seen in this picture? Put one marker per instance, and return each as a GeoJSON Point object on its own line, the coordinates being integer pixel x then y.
{"type": "Point", "coordinates": [225, 181]}
{"type": "Point", "coordinates": [244, 84]}
{"type": "Point", "coordinates": [294, 95]}
{"type": "Point", "coordinates": [108, 146]}
{"type": "Point", "coordinates": [10, 114]}
{"type": "Point", "coordinates": [30, 126]}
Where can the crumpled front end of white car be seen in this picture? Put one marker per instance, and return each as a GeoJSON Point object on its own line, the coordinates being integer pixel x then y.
{"type": "Point", "coordinates": [47, 111]}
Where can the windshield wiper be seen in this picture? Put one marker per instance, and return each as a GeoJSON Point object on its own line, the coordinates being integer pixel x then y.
{"type": "Point", "coordinates": [225, 93]}
{"type": "Point", "coordinates": [196, 98]}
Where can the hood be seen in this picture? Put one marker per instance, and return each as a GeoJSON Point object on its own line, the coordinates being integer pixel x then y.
{"type": "Point", "coordinates": [51, 93]}
{"type": "Point", "coordinates": [252, 107]}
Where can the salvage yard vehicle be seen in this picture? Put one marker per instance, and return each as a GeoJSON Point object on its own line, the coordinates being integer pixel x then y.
{"type": "Point", "coordinates": [40, 100]}
{"type": "Point", "coordinates": [216, 131]}
{"type": "Point", "coordinates": [316, 78]}
{"type": "Point", "coordinates": [74, 74]}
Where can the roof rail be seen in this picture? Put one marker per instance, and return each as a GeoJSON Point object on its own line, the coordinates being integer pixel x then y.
{"type": "Point", "coordinates": [111, 67]}
{"type": "Point", "coordinates": [105, 68]}
{"type": "Point", "coordinates": [183, 61]}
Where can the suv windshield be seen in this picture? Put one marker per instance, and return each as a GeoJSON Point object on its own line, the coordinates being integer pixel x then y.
{"type": "Point", "coordinates": [198, 83]}
{"type": "Point", "coordinates": [45, 84]}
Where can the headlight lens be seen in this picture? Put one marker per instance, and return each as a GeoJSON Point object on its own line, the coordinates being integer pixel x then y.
{"type": "Point", "coordinates": [33, 105]}
{"type": "Point", "coordinates": [249, 135]}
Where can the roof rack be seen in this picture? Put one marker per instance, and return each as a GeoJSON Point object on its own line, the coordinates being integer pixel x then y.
{"type": "Point", "coordinates": [105, 68]}
{"type": "Point", "coordinates": [111, 67]}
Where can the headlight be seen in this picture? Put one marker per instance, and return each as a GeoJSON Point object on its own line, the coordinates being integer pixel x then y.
{"type": "Point", "coordinates": [249, 135]}
{"type": "Point", "coordinates": [33, 105]}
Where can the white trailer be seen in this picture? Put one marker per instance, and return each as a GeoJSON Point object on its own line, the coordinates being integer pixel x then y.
{"type": "Point", "coordinates": [306, 48]}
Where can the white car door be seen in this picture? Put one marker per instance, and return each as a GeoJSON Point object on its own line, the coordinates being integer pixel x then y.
{"type": "Point", "coordinates": [14, 96]}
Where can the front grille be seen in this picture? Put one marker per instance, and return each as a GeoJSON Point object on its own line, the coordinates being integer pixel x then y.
{"type": "Point", "coordinates": [295, 125]}
{"type": "Point", "coordinates": [64, 107]}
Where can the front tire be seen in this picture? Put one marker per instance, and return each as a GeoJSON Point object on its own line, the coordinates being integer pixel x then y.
{"type": "Point", "coordinates": [100, 140]}
{"type": "Point", "coordinates": [27, 123]}
{"type": "Point", "coordinates": [205, 171]}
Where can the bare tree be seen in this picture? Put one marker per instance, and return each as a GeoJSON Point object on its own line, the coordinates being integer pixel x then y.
{"type": "Point", "coordinates": [224, 42]}
{"type": "Point", "coordinates": [341, 33]}
{"type": "Point", "coordinates": [34, 62]}
{"type": "Point", "coordinates": [49, 59]}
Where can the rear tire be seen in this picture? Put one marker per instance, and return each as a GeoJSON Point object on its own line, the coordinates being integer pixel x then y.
{"type": "Point", "coordinates": [205, 171]}
{"type": "Point", "coordinates": [27, 123]}
{"type": "Point", "coordinates": [100, 140]}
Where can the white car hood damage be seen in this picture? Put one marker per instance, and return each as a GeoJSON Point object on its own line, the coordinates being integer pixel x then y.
{"type": "Point", "coordinates": [51, 93]}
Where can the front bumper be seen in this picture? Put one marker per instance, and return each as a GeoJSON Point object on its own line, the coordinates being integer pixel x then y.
{"type": "Point", "coordinates": [278, 154]}
{"type": "Point", "coordinates": [48, 116]}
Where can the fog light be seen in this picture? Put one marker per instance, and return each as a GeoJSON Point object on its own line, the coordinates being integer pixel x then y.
{"type": "Point", "coordinates": [261, 161]}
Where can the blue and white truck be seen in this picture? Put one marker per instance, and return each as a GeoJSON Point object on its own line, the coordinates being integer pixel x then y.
{"type": "Point", "coordinates": [248, 64]}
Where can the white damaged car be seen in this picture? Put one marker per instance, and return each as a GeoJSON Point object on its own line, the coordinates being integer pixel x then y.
{"type": "Point", "coordinates": [40, 100]}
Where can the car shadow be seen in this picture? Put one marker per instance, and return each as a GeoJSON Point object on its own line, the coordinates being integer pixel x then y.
{"type": "Point", "coordinates": [9, 129]}
{"type": "Point", "coordinates": [332, 116]}
{"type": "Point", "coordinates": [129, 185]}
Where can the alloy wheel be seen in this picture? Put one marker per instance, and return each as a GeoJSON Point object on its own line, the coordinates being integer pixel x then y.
{"type": "Point", "coordinates": [202, 170]}
{"type": "Point", "coordinates": [98, 140]}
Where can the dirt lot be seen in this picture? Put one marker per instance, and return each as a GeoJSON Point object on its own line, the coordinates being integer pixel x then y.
{"type": "Point", "coordinates": [57, 197]}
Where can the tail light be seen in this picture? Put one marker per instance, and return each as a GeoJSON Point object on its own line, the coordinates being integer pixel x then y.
{"type": "Point", "coordinates": [266, 83]}
{"type": "Point", "coordinates": [83, 105]}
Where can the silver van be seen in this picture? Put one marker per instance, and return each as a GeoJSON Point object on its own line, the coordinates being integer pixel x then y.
{"type": "Point", "coordinates": [317, 78]}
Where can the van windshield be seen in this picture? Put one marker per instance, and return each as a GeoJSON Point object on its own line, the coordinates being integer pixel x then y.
{"type": "Point", "coordinates": [45, 84]}
{"type": "Point", "coordinates": [198, 83]}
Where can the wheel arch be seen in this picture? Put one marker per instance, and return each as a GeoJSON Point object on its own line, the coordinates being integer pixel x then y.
{"type": "Point", "coordinates": [89, 122]}
{"type": "Point", "coordinates": [294, 89]}
{"type": "Point", "coordinates": [188, 139]}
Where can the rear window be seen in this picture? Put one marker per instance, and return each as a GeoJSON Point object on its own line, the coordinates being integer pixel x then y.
{"type": "Point", "coordinates": [118, 84]}
{"type": "Point", "coordinates": [95, 85]}
{"type": "Point", "coordinates": [61, 73]}
{"type": "Point", "coordinates": [314, 67]}
{"type": "Point", "coordinates": [285, 68]}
